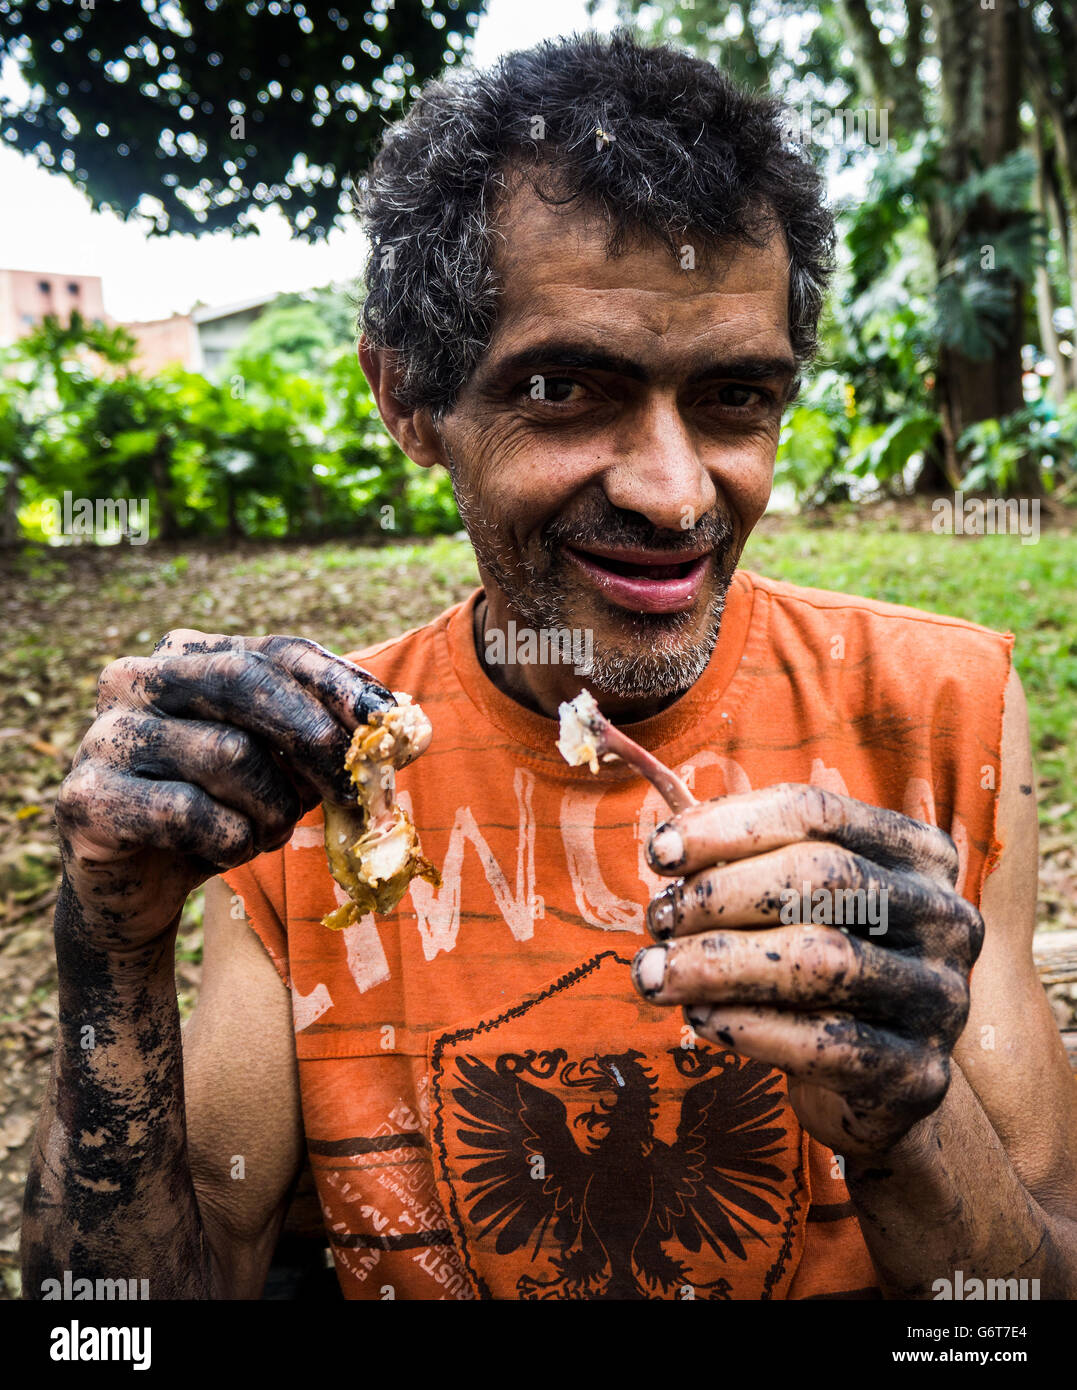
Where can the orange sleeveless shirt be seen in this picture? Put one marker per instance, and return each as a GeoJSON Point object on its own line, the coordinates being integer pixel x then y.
{"type": "Point", "coordinates": [490, 1108]}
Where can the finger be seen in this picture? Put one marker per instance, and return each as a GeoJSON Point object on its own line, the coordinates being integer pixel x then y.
{"type": "Point", "coordinates": [770, 888]}
{"type": "Point", "coordinates": [830, 1049]}
{"type": "Point", "coordinates": [245, 689]}
{"type": "Point", "coordinates": [751, 823]}
{"type": "Point", "coordinates": [818, 883]}
{"type": "Point", "coordinates": [232, 766]}
{"type": "Point", "coordinates": [104, 812]}
{"type": "Point", "coordinates": [351, 693]}
{"type": "Point", "coordinates": [806, 969]}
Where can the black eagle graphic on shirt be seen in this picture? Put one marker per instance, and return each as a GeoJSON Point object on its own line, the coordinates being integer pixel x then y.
{"type": "Point", "coordinates": [613, 1200]}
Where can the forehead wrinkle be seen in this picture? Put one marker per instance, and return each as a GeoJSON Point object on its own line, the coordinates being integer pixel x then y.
{"type": "Point", "coordinates": [535, 238]}
{"type": "Point", "coordinates": [558, 282]}
{"type": "Point", "coordinates": [562, 297]}
{"type": "Point", "coordinates": [660, 352]}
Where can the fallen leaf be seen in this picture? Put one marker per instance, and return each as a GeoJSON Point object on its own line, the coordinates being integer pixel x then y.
{"type": "Point", "coordinates": [15, 1131]}
{"type": "Point", "coordinates": [40, 745]}
{"type": "Point", "coordinates": [29, 939]}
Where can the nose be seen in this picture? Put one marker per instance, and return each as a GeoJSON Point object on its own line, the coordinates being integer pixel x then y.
{"type": "Point", "coordinates": [658, 471]}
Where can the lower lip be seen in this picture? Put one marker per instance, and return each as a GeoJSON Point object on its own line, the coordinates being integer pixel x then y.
{"type": "Point", "coordinates": [642, 595]}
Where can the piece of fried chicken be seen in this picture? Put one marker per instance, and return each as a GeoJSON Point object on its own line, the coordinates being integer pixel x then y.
{"type": "Point", "coordinates": [373, 848]}
{"type": "Point", "coordinates": [586, 735]}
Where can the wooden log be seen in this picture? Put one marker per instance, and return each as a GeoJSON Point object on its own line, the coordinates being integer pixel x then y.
{"type": "Point", "coordinates": [1055, 954]}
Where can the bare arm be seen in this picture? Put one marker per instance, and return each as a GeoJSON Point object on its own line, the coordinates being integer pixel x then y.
{"type": "Point", "coordinates": [109, 1192]}
{"type": "Point", "coordinates": [988, 1183]}
{"type": "Point", "coordinates": [156, 1159]}
{"type": "Point", "coordinates": [244, 1127]}
{"type": "Point", "coordinates": [137, 1152]}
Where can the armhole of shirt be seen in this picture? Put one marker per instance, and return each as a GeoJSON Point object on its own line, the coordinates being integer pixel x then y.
{"type": "Point", "coordinates": [995, 847]}
{"type": "Point", "coordinates": [247, 883]}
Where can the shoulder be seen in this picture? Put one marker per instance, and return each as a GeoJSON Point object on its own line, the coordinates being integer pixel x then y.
{"type": "Point", "coordinates": [797, 599]}
{"type": "Point", "coordinates": [906, 652]}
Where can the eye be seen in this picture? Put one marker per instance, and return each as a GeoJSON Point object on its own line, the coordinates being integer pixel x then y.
{"type": "Point", "coordinates": [559, 388]}
{"type": "Point", "coordinates": [735, 401]}
{"type": "Point", "coordinates": [739, 397]}
{"type": "Point", "coordinates": [555, 390]}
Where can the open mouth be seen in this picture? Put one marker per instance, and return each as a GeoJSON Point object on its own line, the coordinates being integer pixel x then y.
{"type": "Point", "coordinates": [633, 570]}
{"type": "Point", "coordinates": [640, 583]}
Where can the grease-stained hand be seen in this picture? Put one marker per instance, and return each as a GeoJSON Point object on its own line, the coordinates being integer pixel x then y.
{"type": "Point", "coordinates": [201, 756]}
{"type": "Point", "coordinates": [862, 1021]}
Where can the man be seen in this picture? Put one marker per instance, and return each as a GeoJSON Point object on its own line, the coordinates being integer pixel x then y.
{"type": "Point", "coordinates": [594, 275]}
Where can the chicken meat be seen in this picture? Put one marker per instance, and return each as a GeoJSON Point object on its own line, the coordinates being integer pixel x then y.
{"type": "Point", "coordinates": [586, 735]}
{"type": "Point", "coordinates": [373, 848]}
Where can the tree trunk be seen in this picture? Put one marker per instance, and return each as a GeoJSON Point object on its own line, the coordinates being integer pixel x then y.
{"type": "Point", "coordinates": [937, 475]}
{"type": "Point", "coordinates": [10, 532]}
{"type": "Point", "coordinates": [1054, 95]}
{"type": "Point", "coordinates": [889, 85]}
{"type": "Point", "coordinates": [234, 529]}
{"type": "Point", "coordinates": [316, 506]}
{"type": "Point", "coordinates": [161, 474]}
{"type": "Point", "coordinates": [1045, 296]}
{"type": "Point", "coordinates": [1057, 384]}
{"type": "Point", "coordinates": [971, 390]}
{"type": "Point", "coordinates": [979, 56]}
{"type": "Point", "coordinates": [979, 63]}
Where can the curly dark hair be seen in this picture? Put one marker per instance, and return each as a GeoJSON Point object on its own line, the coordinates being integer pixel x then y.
{"type": "Point", "coordinates": [661, 144]}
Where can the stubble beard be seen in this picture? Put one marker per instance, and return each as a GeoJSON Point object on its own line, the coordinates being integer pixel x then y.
{"type": "Point", "coordinates": [653, 660]}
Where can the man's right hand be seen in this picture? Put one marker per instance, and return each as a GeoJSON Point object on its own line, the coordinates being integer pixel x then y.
{"type": "Point", "coordinates": [202, 756]}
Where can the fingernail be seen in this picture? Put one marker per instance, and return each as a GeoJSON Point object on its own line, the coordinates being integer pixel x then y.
{"type": "Point", "coordinates": [649, 969]}
{"type": "Point", "coordinates": [373, 699]}
{"type": "Point", "coordinates": [661, 915]}
{"type": "Point", "coordinates": [667, 847]}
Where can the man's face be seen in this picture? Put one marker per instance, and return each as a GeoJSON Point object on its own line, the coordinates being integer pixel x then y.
{"type": "Point", "coordinates": [615, 446]}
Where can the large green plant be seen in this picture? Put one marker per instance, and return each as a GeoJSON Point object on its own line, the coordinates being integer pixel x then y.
{"type": "Point", "coordinates": [269, 451]}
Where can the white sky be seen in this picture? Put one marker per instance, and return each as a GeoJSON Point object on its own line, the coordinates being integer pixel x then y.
{"type": "Point", "coordinates": [151, 277]}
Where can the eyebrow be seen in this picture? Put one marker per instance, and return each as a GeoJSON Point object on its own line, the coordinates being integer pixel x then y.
{"type": "Point", "coordinates": [562, 353]}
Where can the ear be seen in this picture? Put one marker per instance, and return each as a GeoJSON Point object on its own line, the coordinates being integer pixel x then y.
{"type": "Point", "coordinates": [413, 430]}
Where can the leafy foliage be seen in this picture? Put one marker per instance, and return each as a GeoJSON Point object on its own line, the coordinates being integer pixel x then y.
{"type": "Point", "coordinates": [995, 448]}
{"type": "Point", "coordinates": [195, 112]}
{"type": "Point", "coordinates": [269, 451]}
{"type": "Point", "coordinates": [936, 265]}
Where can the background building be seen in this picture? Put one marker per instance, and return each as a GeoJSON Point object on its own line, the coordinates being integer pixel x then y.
{"type": "Point", "coordinates": [200, 341]}
{"type": "Point", "coordinates": [166, 343]}
{"type": "Point", "coordinates": [28, 296]}
{"type": "Point", "coordinates": [221, 329]}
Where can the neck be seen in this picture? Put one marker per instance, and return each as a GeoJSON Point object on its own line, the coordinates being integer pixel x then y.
{"type": "Point", "coordinates": [542, 687]}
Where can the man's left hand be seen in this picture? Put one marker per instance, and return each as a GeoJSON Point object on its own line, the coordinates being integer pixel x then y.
{"type": "Point", "coordinates": [863, 1020]}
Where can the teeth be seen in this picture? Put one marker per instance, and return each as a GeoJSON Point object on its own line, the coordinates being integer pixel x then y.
{"type": "Point", "coordinates": [633, 569]}
{"type": "Point", "coordinates": [651, 571]}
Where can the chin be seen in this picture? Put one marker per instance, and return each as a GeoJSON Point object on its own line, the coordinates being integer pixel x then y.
{"type": "Point", "coordinates": [654, 656]}
{"type": "Point", "coordinates": [646, 678]}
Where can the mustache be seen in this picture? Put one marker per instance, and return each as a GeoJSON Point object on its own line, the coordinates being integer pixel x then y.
{"type": "Point", "coordinates": [610, 526]}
